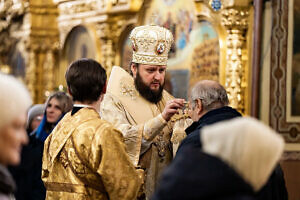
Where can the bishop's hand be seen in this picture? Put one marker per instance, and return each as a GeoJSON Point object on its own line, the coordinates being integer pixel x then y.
{"type": "Point", "coordinates": [172, 107]}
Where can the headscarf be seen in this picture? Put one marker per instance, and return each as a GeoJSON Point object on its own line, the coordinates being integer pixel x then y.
{"type": "Point", "coordinates": [251, 148]}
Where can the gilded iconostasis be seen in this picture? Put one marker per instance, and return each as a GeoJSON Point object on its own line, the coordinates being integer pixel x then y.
{"type": "Point", "coordinates": [200, 28]}
{"type": "Point", "coordinates": [59, 32]}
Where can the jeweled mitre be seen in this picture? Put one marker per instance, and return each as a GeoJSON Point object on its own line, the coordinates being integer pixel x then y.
{"type": "Point", "coordinates": [151, 44]}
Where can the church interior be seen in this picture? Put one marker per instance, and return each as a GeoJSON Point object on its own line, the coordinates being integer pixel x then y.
{"type": "Point", "coordinates": [252, 47]}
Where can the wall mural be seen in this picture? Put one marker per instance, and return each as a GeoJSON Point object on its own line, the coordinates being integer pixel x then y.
{"type": "Point", "coordinates": [79, 44]}
{"type": "Point", "coordinates": [195, 53]}
{"type": "Point", "coordinates": [205, 62]}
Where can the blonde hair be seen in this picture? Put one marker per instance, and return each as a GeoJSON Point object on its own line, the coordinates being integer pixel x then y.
{"type": "Point", "coordinates": [14, 99]}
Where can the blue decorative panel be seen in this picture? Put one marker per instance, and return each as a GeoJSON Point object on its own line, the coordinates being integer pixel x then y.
{"type": "Point", "coordinates": [216, 5]}
{"type": "Point", "coordinates": [180, 83]}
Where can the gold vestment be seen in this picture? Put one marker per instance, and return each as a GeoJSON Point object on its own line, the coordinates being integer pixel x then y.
{"type": "Point", "coordinates": [85, 158]}
{"type": "Point", "coordinates": [147, 135]}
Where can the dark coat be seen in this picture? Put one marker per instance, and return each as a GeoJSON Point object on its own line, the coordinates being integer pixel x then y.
{"type": "Point", "coordinates": [211, 117]}
{"type": "Point", "coordinates": [275, 188]}
{"type": "Point", "coordinates": [28, 174]}
{"type": "Point", "coordinates": [7, 184]}
{"type": "Point", "coordinates": [194, 174]}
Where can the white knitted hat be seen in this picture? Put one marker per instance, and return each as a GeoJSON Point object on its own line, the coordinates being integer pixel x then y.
{"type": "Point", "coordinates": [251, 148]}
{"type": "Point", "coordinates": [14, 99]}
{"type": "Point", "coordinates": [35, 110]}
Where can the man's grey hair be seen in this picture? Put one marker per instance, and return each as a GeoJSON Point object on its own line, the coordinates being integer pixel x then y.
{"type": "Point", "coordinates": [212, 95]}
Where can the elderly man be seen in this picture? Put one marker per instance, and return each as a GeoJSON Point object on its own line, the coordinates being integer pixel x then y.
{"type": "Point", "coordinates": [139, 106]}
{"type": "Point", "coordinates": [234, 163]}
{"type": "Point", "coordinates": [208, 105]}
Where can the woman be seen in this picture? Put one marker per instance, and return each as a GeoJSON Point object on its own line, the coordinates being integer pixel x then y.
{"type": "Point", "coordinates": [57, 105]}
{"type": "Point", "coordinates": [28, 175]}
{"type": "Point", "coordinates": [14, 101]}
{"type": "Point", "coordinates": [30, 185]}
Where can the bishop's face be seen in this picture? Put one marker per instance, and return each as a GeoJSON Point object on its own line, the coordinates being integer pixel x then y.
{"type": "Point", "coordinates": [149, 80]}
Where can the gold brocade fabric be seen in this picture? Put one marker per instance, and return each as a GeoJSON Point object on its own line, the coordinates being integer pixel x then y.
{"type": "Point", "coordinates": [147, 135]}
{"type": "Point", "coordinates": [85, 158]}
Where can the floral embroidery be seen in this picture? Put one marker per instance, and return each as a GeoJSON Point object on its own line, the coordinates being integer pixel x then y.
{"type": "Point", "coordinates": [128, 90]}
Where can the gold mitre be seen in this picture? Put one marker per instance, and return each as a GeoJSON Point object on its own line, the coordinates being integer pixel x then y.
{"type": "Point", "coordinates": [151, 44]}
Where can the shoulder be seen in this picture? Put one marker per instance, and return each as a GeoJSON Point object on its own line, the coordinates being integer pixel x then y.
{"type": "Point", "coordinates": [107, 131]}
{"type": "Point", "coordinates": [192, 175]}
{"type": "Point", "coordinates": [109, 97]}
{"type": "Point", "coordinates": [110, 100]}
{"type": "Point", "coordinates": [167, 96]}
{"type": "Point", "coordinates": [192, 139]}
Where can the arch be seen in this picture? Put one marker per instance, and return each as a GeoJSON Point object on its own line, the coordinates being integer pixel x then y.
{"type": "Point", "coordinates": [124, 51]}
{"type": "Point", "coordinates": [205, 13]}
{"type": "Point", "coordinates": [80, 42]}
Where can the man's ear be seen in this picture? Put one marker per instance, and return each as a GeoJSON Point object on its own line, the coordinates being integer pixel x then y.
{"type": "Point", "coordinates": [69, 91]}
{"type": "Point", "coordinates": [104, 88]}
{"type": "Point", "coordinates": [133, 70]}
{"type": "Point", "coordinates": [199, 106]}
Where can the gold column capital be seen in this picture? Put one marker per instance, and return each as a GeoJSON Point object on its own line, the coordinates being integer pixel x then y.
{"type": "Point", "coordinates": [235, 19]}
{"type": "Point", "coordinates": [112, 28]}
{"type": "Point", "coordinates": [109, 33]}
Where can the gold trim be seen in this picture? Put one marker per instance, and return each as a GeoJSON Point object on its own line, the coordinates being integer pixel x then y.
{"type": "Point", "coordinates": [292, 147]}
{"type": "Point", "coordinates": [68, 187]}
{"type": "Point", "coordinates": [150, 60]}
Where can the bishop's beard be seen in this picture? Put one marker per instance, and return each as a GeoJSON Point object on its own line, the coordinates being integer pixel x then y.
{"type": "Point", "coordinates": [146, 92]}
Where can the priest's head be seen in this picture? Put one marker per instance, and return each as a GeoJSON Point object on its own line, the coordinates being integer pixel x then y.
{"type": "Point", "coordinates": [86, 80]}
{"type": "Point", "coordinates": [151, 45]}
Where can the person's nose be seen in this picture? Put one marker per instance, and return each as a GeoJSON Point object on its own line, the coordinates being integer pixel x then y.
{"type": "Point", "coordinates": [50, 109]}
{"type": "Point", "coordinates": [24, 137]}
{"type": "Point", "coordinates": [157, 75]}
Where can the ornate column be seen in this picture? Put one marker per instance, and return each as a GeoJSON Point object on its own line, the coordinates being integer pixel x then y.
{"type": "Point", "coordinates": [109, 33]}
{"type": "Point", "coordinates": [236, 23]}
{"type": "Point", "coordinates": [48, 69]}
{"type": "Point", "coordinates": [43, 44]}
{"type": "Point", "coordinates": [30, 75]}
{"type": "Point", "coordinates": [108, 52]}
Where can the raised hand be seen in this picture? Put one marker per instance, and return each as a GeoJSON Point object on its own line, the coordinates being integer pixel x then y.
{"type": "Point", "coordinates": [172, 107]}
